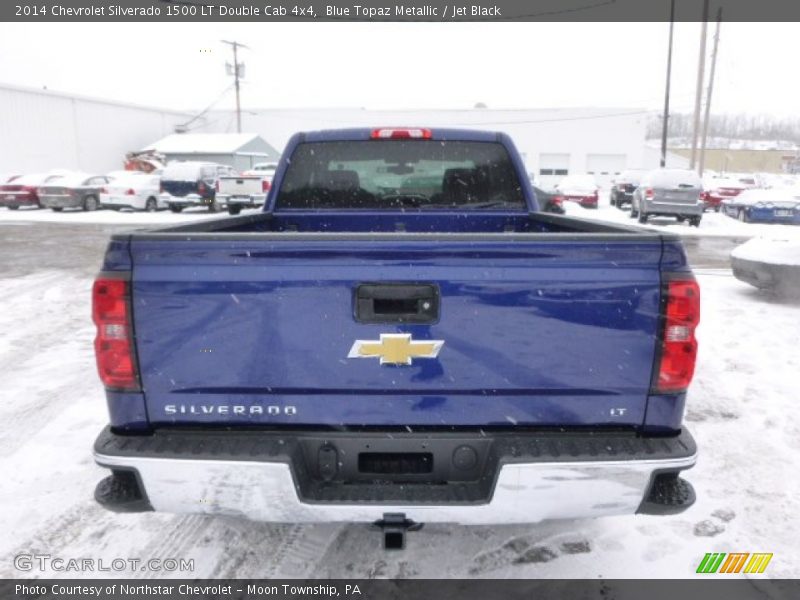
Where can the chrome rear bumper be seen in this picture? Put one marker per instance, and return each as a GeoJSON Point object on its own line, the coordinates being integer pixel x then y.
{"type": "Point", "coordinates": [272, 488]}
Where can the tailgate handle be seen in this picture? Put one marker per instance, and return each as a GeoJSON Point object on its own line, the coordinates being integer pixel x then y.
{"type": "Point", "coordinates": [396, 303]}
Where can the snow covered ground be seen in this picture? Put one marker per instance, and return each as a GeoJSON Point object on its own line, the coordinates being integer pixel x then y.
{"type": "Point", "coordinates": [742, 409]}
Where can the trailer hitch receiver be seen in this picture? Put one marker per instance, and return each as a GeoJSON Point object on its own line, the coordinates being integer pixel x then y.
{"type": "Point", "coordinates": [394, 526]}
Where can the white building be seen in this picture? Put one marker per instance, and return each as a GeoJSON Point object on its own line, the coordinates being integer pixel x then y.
{"type": "Point", "coordinates": [41, 130]}
{"type": "Point", "coordinates": [239, 150]}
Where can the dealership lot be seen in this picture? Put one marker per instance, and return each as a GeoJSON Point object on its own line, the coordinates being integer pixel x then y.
{"type": "Point", "coordinates": [742, 409]}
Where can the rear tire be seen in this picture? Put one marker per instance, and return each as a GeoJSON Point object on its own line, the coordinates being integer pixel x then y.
{"type": "Point", "coordinates": [634, 213]}
{"type": "Point", "coordinates": [234, 210]}
{"type": "Point", "coordinates": [695, 221]}
{"type": "Point", "coordinates": [213, 207]}
{"type": "Point", "coordinates": [680, 219]}
{"type": "Point", "coordinates": [90, 203]}
{"type": "Point", "coordinates": [176, 208]}
{"type": "Point", "coordinates": [716, 208]}
{"type": "Point", "coordinates": [13, 208]}
{"type": "Point", "coordinates": [151, 205]}
{"type": "Point", "coordinates": [56, 208]}
{"type": "Point", "coordinates": [643, 217]}
{"type": "Point", "coordinates": [742, 216]}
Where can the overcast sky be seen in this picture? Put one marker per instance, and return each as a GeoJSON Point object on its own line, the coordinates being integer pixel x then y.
{"type": "Point", "coordinates": [406, 65]}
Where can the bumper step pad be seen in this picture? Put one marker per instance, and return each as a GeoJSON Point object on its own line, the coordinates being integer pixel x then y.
{"type": "Point", "coordinates": [122, 492]}
{"type": "Point", "coordinates": [669, 495]}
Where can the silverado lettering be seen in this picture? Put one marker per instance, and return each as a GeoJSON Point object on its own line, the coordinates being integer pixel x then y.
{"type": "Point", "coordinates": [224, 409]}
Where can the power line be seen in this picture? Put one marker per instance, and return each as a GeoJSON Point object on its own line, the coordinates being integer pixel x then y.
{"type": "Point", "coordinates": [206, 109]}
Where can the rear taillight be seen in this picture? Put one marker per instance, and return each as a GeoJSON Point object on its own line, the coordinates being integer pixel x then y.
{"type": "Point", "coordinates": [648, 193]}
{"type": "Point", "coordinates": [29, 189]}
{"type": "Point", "coordinates": [130, 192]}
{"type": "Point", "coordinates": [201, 187]}
{"type": "Point", "coordinates": [681, 314]}
{"type": "Point", "coordinates": [558, 200]}
{"type": "Point", "coordinates": [104, 190]}
{"type": "Point", "coordinates": [265, 185]}
{"type": "Point", "coordinates": [401, 134]}
{"type": "Point", "coordinates": [113, 344]}
{"type": "Point", "coordinates": [216, 186]}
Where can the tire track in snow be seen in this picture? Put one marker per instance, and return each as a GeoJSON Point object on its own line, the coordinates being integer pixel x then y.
{"type": "Point", "coordinates": [59, 536]}
{"type": "Point", "coordinates": [45, 351]}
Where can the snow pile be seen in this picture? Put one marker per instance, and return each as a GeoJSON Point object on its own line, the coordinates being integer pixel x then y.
{"type": "Point", "coordinates": [771, 251]}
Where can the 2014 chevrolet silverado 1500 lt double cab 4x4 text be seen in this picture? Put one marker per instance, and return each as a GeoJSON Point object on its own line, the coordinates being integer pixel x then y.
{"type": "Point", "coordinates": [400, 336]}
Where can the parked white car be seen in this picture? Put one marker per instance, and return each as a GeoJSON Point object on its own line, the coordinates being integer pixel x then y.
{"type": "Point", "coordinates": [135, 190]}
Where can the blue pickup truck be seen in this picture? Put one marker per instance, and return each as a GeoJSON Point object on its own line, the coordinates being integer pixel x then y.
{"type": "Point", "coordinates": [400, 337]}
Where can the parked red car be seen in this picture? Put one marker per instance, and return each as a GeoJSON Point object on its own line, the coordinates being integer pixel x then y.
{"type": "Point", "coordinates": [717, 190]}
{"type": "Point", "coordinates": [579, 188]}
{"type": "Point", "coordinates": [23, 191]}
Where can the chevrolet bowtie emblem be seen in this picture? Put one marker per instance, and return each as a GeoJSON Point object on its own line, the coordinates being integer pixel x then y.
{"type": "Point", "coordinates": [396, 349]}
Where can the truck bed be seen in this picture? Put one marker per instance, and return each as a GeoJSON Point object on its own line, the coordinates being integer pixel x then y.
{"type": "Point", "coordinates": [427, 222]}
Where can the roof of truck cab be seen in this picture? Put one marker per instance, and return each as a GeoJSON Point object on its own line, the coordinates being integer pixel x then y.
{"type": "Point", "coordinates": [364, 133]}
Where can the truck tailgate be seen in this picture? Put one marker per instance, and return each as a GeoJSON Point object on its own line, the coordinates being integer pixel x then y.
{"type": "Point", "coordinates": [258, 331]}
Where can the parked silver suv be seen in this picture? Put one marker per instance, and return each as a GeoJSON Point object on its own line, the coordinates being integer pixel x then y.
{"type": "Point", "coordinates": [670, 192]}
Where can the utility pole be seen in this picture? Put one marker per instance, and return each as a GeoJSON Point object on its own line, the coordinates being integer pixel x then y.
{"type": "Point", "coordinates": [665, 128]}
{"type": "Point", "coordinates": [708, 94]}
{"type": "Point", "coordinates": [237, 73]}
{"type": "Point", "coordinates": [699, 93]}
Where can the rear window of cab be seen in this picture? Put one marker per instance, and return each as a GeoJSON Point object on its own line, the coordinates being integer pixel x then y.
{"type": "Point", "coordinates": [400, 175]}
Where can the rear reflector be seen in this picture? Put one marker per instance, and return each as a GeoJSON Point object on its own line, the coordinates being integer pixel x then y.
{"type": "Point", "coordinates": [678, 344]}
{"type": "Point", "coordinates": [113, 344]}
{"type": "Point", "coordinates": [265, 185]}
{"type": "Point", "coordinates": [401, 134]}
